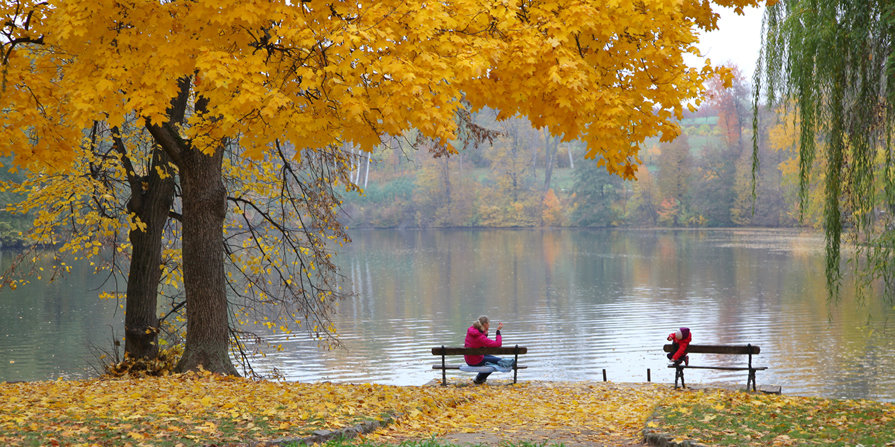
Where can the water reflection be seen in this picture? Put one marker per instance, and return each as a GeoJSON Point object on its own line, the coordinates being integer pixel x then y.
{"type": "Point", "coordinates": [584, 301]}
{"type": "Point", "coordinates": [55, 330]}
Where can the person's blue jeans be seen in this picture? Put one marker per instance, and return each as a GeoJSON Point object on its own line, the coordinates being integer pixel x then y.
{"type": "Point", "coordinates": [488, 359]}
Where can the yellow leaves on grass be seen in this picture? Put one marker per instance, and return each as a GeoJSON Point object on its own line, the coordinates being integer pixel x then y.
{"type": "Point", "coordinates": [198, 407]}
{"type": "Point", "coordinates": [587, 412]}
{"type": "Point", "coordinates": [205, 408]}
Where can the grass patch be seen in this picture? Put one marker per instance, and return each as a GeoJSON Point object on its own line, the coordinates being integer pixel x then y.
{"type": "Point", "coordinates": [725, 418]}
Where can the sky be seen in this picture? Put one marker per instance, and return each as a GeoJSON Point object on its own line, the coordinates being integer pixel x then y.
{"type": "Point", "coordinates": [737, 39]}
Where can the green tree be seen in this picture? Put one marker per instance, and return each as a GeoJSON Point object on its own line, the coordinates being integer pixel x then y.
{"type": "Point", "coordinates": [673, 179]}
{"type": "Point", "coordinates": [712, 185]}
{"type": "Point", "coordinates": [596, 195]}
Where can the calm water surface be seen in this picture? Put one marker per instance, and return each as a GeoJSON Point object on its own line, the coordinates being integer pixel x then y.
{"type": "Point", "coordinates": [581, 301]}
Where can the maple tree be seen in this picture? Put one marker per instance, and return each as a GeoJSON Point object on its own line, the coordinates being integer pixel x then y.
{"type": "Point", "coordinates": [317, 74]}
{"type": "Point", "coordinates": [731, 104]}
{"type": "Point", "coordinates": [278, 240]}
{"type": "Point", "coordinates": [279, 272]}
{"type": "Point", "coordinates": [552, 213]}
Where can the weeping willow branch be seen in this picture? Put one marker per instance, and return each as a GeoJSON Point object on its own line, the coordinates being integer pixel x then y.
{"type": "Point", "coordinates": [833, 62]}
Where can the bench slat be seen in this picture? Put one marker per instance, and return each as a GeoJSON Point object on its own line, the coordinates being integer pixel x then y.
{"type": "Point", "coordinates": [444, 350]}
{"type": "Point", "coordinates": [726, 368]}
{"type": "Point", "coordinates": [438, 366]}
{"type": "Point", "coordinates": [719, 349]}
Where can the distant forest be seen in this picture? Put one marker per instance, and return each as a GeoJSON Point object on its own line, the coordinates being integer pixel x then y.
{"type": "Point", "coordinates": [508, 174]}
{"type": "Point", "coordinates": [525, 177]}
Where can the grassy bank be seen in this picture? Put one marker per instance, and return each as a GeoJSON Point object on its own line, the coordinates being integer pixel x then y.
{"type": "Point", "coordinates": [724, 418]}
{"type": "Point", "coordinates": [195, 410]}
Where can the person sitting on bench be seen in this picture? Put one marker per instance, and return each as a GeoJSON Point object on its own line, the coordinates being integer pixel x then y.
{"type": "Point", "coordinates": [680, 340]}
{"type": "Point", "coordinates": [477, 337]}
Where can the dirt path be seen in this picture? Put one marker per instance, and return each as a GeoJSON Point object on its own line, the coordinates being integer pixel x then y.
{"type": "Point", "coordinates": [565, 437]}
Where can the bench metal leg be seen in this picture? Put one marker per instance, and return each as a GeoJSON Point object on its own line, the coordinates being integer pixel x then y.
{"type": "Point", "coordinates": [443, 370]}
{"type": "Point", "coordinates": [751, 380]}
{"type": "Point", "coordinates": [679, 374]}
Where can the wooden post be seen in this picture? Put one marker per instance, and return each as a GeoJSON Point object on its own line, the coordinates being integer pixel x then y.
{"type": "Point", "coordinates": [647, 376]}
{"type": "Point", "coordinates": [604, 374]}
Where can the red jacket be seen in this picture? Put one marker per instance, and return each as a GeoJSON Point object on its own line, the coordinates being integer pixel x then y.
{"type": "Point", "coordinates": [682, 343]}
{"type": "Point", "coordinates": [478, 339]}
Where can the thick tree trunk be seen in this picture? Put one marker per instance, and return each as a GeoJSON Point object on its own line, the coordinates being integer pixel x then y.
{"type": "Point", "coordinates": [151, 205]}
{"type": "Point", "coordinates": [204, 210]}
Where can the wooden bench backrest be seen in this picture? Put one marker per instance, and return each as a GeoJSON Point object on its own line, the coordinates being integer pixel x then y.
{"type": "Point", "coordinates": [719, 349]}
{"type": "Point", "coordinates": [442, 350]}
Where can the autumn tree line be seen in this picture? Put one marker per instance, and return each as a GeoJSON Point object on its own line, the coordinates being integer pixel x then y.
{"type": "Point", "coordinates": [519, 176]}
{"type": "Point", "coordinates": [527, 177]}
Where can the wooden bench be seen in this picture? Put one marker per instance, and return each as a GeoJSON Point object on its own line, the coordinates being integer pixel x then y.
{"type": "Point", "coordinates": [748, 349]}
{"type": "Point", "coordinates": [446, 351]}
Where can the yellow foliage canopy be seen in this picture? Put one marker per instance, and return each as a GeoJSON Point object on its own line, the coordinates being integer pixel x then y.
{"type": "Point", "coordinates": [321, 72]}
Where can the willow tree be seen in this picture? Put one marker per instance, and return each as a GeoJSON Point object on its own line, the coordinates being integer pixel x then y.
{"type": "Point", "coordinates": [319, 73]}
{"type": "Point", "coordinates": [833, 63]}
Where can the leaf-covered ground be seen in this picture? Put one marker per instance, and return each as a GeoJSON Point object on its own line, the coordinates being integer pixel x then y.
{"type": "Point", "coordinates": [571, 413]}
{"type": "Point", "coordinates": [201, 409]}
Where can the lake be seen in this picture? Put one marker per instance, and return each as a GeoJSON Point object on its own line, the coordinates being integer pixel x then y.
{"type": "Point", "coordinates": [581, 300]}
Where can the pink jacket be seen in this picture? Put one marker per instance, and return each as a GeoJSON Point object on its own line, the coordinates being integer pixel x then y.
{"type": "Point", "coordinates": [478, 339]}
